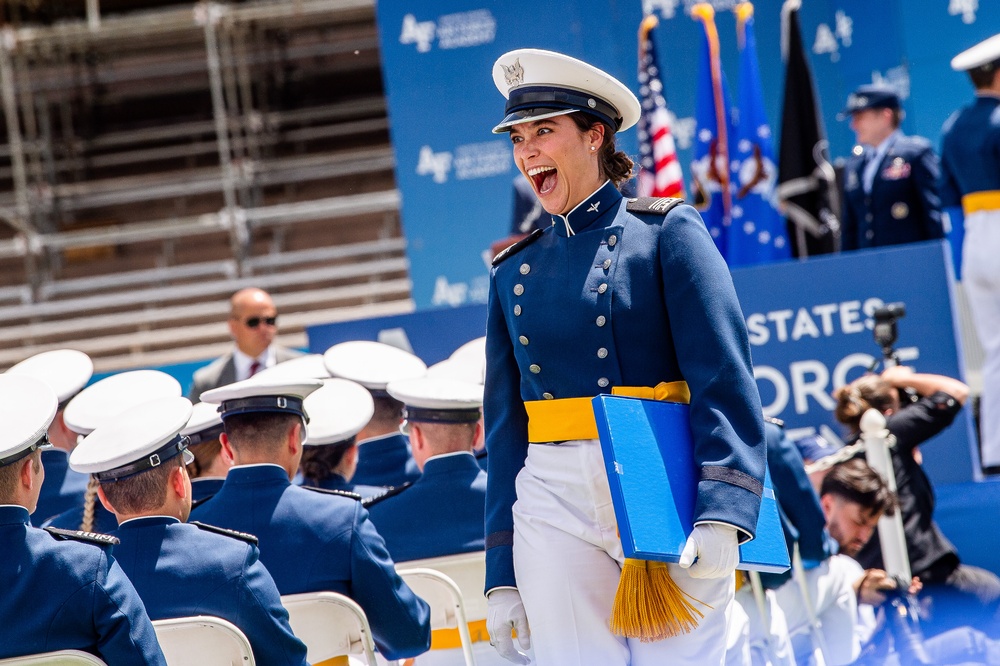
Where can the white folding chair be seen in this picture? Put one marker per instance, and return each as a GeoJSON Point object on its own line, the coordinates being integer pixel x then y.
{"type": "Point", "coordinates": [468, 570]}
{"type": "Point", "coordinates": [331, 625]}
{"type": "Point", "coordinates": [60, 658]}
{"type": "Point", "coordinates": [203, 640]}
{"type": "Point", "coordinates": [447, 608]}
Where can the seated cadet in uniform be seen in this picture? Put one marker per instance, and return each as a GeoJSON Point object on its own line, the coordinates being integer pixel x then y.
{"type": "Point", "coordinates": [468, 364]}
{"type": "Point", "coordinates": [99, 404]}
{"type": "Point", "coordinates": [209, 468]}
{"type": "Point", "coordinates": [441, 513]}
{"type": "Point", "coordinates": [384, 456]}
{"type": "Point", "coordinates": [311, 540]}
{"type": "Point", "coordinates": [62, 590]}
{"type": "Point", "coordinates": [337, 413]}
{"type": "Point", "coordinates": [66, 371]}
{"type": "Point", "coordinates": [180, 570]}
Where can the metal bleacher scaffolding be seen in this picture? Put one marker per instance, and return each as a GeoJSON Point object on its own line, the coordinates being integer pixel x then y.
{"type": "Point", "coordinates": [158, 159]}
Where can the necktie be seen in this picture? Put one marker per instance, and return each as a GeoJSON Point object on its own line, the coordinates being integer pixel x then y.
{"type": "Point", "coordinates": [254, 367]}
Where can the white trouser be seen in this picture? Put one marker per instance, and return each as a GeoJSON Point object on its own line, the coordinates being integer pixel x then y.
{"type": "Point", "coordinates": [981, 279]}
{"type": "Point", "coordinates": [568, 560]}
{"type": "Point", "coordinates": [834, 604]}
{"type": "Point", "coordinates": [769, 644]}
{"type": "Point", "coordinates": [738, 638]}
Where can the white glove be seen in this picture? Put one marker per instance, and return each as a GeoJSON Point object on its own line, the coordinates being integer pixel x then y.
{"type": "Point", "coordinates": [717, 549]}
{"type": "Point", "coordinates": [505, 612]}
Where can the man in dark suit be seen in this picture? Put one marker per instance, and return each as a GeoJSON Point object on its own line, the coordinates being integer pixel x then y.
{"type": "Point", "coordinates": [253, 323]}
{"type": "Point", "coordinates": [890, 181]}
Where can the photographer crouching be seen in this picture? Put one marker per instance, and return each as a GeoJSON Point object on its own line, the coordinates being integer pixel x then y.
{"type": "Point", "coordinates": [917, 407]}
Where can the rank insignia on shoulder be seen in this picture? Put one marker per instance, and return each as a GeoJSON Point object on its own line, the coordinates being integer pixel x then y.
{"type": "Point", "coordinates": [390, 492]}
{"type": "Point", "coordinates": [242, 536]}
{"type": "Point", "coordinates": [343, 493]}
{"type": "Point", "coordinates": [513, 249]}
{"type": "Point", "coordinates": [654, 205]}
{"type": "Point", "coordinates": [80, 535]}
{"type": "Point", "coordinates": [777, 422]}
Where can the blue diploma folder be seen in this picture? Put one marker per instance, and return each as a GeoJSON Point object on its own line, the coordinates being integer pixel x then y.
{"type": "Point", "coordinates": [648, 455]}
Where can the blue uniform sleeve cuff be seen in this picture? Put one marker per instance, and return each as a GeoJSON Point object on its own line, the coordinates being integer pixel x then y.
{"type": "Point", "coordinates": [500, 567]}
{"type": "Point", "coordinates": [722, 502]}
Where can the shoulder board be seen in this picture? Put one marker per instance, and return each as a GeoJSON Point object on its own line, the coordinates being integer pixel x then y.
{"type": "Point", "coordinates": [511, 250]}
{"type": "Point", "coordinates": [342, 493]}
{"type": "Point", "coordinates": [654, 205]}
{"type": "Point", "coordinates": [242, 536]}
{"type": "Point", "coordinates": [777, 422]}
{"type": "Point", "coordinates": [390, 492]}
{"type": "Point", "coordinates": [80, 535]}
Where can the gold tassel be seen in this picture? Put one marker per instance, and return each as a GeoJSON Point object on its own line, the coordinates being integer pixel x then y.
{"type": "Point", "coordinates": [650, 606]}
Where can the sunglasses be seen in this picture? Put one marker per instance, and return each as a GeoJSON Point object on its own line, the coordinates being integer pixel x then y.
{"type": "Point", "coordinates": [254, 322]}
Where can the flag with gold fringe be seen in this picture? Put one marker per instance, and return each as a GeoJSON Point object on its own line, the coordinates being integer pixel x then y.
{"type": "Point", "coordinates": [710, 175]}
{"type": "Point", "coordinates": [757, 234]}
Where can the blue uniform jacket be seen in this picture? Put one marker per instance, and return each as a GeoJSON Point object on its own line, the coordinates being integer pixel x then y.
{"type": "Point", "coordinates": [312, 541]}
{"type": "Point", "coordinates": [970, 151]}
{"type": "Point", "coordinates": [440, 514]}
{"type": "Point", "coordinates": [385, 461]}
{"type": "Point", "coordinates": [903, 205]}
{"type": "Point", "coordinates": [62, 488]}
{"type": "Point", "coordinates": [802, 518]}
{"type": "Point", "coordinates": [104, 521]}
{"type": "Point", "coordinates": [181, 570]}
{"type": "Point", "coordinates": [205, 487]}
{"type": "Point", "coordinates": [337, 482]}
{"type": "Point", "coordinates": [67, 595]}
{"type": "Point", "coordinates": [608, 298]}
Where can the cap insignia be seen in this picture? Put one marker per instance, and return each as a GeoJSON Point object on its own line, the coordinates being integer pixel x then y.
{"type": "Point", "coordinates": [513, 75]}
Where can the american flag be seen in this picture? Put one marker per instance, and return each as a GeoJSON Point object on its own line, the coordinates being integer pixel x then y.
{"type": "Point", "coordinates": [660, 173]}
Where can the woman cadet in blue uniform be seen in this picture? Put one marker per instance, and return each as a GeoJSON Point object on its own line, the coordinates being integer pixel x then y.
{"type": "Point", "coordinates": [615, 293]}
{"type": "Point", "coordinates": [62, 590]}
{"type": "Point", "coordinates": [338, 411]}
{"type": "Point", "coordinates": [179, 569]}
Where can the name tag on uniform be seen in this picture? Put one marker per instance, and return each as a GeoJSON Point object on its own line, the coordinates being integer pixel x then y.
{"type": "Point", "coordinates": [648, 456]}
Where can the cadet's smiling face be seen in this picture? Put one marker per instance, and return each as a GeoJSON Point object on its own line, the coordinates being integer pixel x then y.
{"type": "Point", "coordinates": [557, 159]}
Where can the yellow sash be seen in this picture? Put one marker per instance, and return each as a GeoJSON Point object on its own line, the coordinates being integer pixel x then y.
{"type": "Point", "coordinates": [981, 201]}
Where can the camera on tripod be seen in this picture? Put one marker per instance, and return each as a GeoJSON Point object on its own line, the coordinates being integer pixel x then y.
{"type": "Point", "coordinates": [886, 331]}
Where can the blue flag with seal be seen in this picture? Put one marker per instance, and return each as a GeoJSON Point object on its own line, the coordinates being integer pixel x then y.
{"type": "Point", "coordinates": [758, 233]}
{"type": "Point", "coordinates": [710, 179]}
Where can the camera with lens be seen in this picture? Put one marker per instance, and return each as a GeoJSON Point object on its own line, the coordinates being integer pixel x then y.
{"type": "Point", "coordinates": [885, 330]}
{"type": "Point", "coordinates": [902, 621]}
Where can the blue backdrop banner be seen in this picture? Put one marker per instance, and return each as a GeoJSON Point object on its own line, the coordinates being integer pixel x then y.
{"type": "Point", "coordinates": [456, 177]}
{"type": "Point", "coordinates": [810, 326]}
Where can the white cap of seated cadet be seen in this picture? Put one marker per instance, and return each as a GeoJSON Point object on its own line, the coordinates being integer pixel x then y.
{"type": "Point", "coordinates": [102, 401]}
{"type": "Point", "coordinates": [338, 411]}
{"type": "Point", "coordinates": [204, 425]}
{"type": "Point", "coordinates": [27, 407]}
{"type": "Point", "coordinates": [372, 364]}
{"type": "Point", "coordinates": [139, 439]}
{"type": "Point", "coordinates": [65, 370]}
{"type": "Point", "coordinates": [438, 400]}
{"type": "Point", "coordinates": [310, 366]}
{"type": "Point", "coordinates": [262, 395]}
